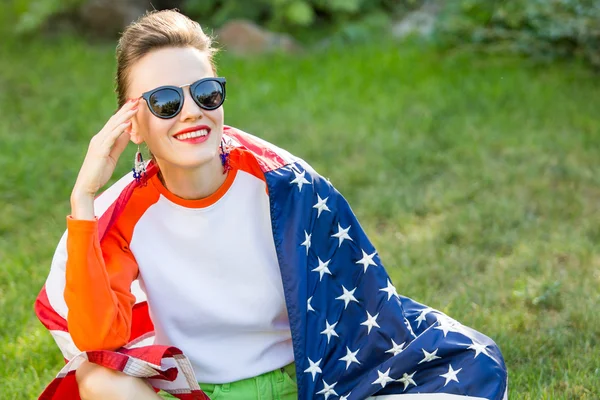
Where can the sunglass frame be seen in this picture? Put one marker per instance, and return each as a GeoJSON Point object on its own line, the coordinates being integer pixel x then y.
{"type": "Point", "coordinates": [179, 89]}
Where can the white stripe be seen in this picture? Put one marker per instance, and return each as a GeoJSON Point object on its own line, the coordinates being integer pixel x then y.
{"type": "Point", "coordinates": [425, 396]}
{"type": "Point", "coordinates": [185, 379]}
{"type": "Point", "coordinates": [65, 344]}
{"type": "Point", "coordinates": [72, 365]}
{"type": "Point", "coordinates": [55, 284]}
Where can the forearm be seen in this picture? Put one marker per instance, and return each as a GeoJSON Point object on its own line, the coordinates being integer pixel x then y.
{"type": "Point", "coordinates": [99, 316]}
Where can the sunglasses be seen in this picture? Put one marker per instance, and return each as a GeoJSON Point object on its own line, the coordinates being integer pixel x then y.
{"type": "Point", "coordinates": [167, 101]}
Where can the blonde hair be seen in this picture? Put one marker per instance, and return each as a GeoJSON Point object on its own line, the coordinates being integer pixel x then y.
{"type": "Point", "coordinates": [155, 30]}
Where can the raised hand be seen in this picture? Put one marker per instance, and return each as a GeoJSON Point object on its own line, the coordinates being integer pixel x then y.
{"type": "Point", "coordinates": [101, 159]}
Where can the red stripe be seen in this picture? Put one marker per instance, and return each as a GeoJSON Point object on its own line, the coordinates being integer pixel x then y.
{"type": "Point", "coordinates": [141, 323]}
{"type": "Point", "coordinates": [152, 354]}
{"type": "Point", "coordinates": [47, 315]}
{"type": "Point", "coordinates": [62, 389]}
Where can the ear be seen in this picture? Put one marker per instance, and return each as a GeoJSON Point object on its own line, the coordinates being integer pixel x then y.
{"type": "Point", "coordinates": [134, 132]}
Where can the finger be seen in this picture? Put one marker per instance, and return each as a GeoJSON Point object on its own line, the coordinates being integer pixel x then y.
{"type": "Point", "coordinates": [126, 116]}
{"type": "Point", "coordinates": [130, 103]}
{"type": "Point", "coordinates": [117, 117]}
{"type": "Point", "coordinates": [110, 139]}
{"type": "Point", "coordinates": [117, 120]}
{"type": "Point", "coordinates": [119, 146]}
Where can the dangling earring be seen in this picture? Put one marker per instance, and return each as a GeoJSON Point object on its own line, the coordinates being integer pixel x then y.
{"type": "Point", "coordinates": [225, 157]}
{"type": "Point", "coordinates": [139, 167]}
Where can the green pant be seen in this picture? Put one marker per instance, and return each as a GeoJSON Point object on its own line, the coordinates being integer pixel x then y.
{"type": "Point", "coordinates": [275, 385]}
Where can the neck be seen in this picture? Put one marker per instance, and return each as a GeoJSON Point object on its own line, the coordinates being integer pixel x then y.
{"type": "Point", "coordinates": [192, 184]}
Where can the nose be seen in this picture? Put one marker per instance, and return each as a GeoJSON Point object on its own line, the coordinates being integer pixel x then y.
{"type": "Point", "coordinates": [190, 110]}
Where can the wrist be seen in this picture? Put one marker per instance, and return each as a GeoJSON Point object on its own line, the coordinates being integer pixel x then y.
{"type": "Point", "coordinates": [82, 206]}
{"type": "Point", "coordinates": [78, 195]}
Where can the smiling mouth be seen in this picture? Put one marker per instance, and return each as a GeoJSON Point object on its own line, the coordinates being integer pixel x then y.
{"type": "Point", "coordinates": [193, 135]}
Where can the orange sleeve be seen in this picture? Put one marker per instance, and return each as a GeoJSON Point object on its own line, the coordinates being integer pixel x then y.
{"type": "Point", "coordinates": [98, 286]}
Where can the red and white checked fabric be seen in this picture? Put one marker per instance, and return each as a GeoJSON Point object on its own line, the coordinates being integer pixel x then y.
{"type": "Point", "coordinates": [164, 367]}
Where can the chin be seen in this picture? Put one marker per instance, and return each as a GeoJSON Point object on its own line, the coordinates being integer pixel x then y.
{"type": "Point", "coordinates": [189, 158]}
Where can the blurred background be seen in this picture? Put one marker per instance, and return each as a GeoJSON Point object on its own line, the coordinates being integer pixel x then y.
{"type": "Point", "coordinates": [464, 133]}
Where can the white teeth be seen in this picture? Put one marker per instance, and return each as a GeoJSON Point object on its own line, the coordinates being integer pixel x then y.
{"type": "Point", "coordinates": [190, 135]}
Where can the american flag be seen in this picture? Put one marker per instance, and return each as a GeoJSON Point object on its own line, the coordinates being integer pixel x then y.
{"type": "Point", "coordinates": [353, 335]}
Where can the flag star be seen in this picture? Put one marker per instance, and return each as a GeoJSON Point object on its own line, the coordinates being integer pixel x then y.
{"type": "Point", "coordinates": [429, 356]}
{"type": "Point", "coordinates": [451, 375]}
{"type": "Point", "coordinates": [479, 348]}
{"type": "Point", "coordinates": [328, 390]}
{"type": "Point", "coordinates": [308, 305]}
{"type": "Point", "coordinates": [345, 397]}
{"type": "Point", "coordinates": [383, 379]}
{"type": "Point", "coordinates": [348, 296]}
{"type": "Point", "coordinates": [300, 179]}
{"type": "Point", "coordinates": [407, 380]}
{"type": "Point", "coordinates": [306, 242]}
{"type": "Point", "coordinates": [329, 331]}
{"type": "Point", "coordinates": [322, 268]}
{"type": "Point", "coordinates": [321, 205]}
{"type": "Point", "coordinates": [446, 325]}
{"type": "Point", "coordinates": [390, 290]}
{"type": "Point", "coordinates": [350, 357]}
{"type": "Point", "coordinates": [421, 317]}
{"type": "Point", "coordinates": [396, 348]}
{"type": "Point", "coordinates": [371, 322]}
{"type": "Point", "coordinates": [367, 260]}
{"type": "Point", "coordinates": [342, 234]}
{"type": "Point", "coordinates": [314, 368]}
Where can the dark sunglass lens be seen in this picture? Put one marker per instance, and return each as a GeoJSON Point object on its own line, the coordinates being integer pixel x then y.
{"type": "Point", "coordinates": [165, 102]}
{"type": "Point", "coordinates": [209, 94]}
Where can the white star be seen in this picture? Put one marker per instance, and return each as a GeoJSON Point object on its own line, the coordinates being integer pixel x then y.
{"type": "Point", "coordinates": [314, 368]}
{"type": "Point", "coordinates": [383, 378]}
{"type": "Point", "coordinates": [371, 322]}
{"type": "Point", "coordinates": [345, 397]}
{"type": "Point", "coordinates": [407, 380]}
{"type": "Point", "coordinates": [342, 234]}
{"type": "Point", "coordinates": [390, 289]}
{"type": "Point", "coordinates": [328, 390]}
{"type": "Point", "coordinates": [421, 316]}
{"type": "Point", "coordinates": [446, 325]}
{"type": "Point", "coordinates": [309, 306]}
{"type": "Point", "coordinates": [429, 356]}
{"type": "Point", "coordinates": [300, 179]}
{"type": "Point", "coordinates": [329, 331]}
{"type": "Point", "coordinates": [350, 357]}
{"type": "Point", "coordinates": [367, 260]}
{"type": "Point", "coordinates": [396, 348]}
{"type": "Point", "coordinates": [322, 268]}
{"type": "Point", "coordinates": [479, 348]}
{"type": "Point", "coordinates": [306, 242]}
{"type": "Point", "coordinates": [348, 296]}
{"type": "Point", "coordinates": [321, 205]}
{"type": "Point", "coordinates": [451, 375]}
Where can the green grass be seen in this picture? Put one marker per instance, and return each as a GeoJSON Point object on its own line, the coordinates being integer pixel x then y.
{"type": "Point", "coordinates": [476, 178]}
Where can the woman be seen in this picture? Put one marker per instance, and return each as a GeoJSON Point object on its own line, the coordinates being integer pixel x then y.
{"type": "Point", "coordinates": [251, 263]}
